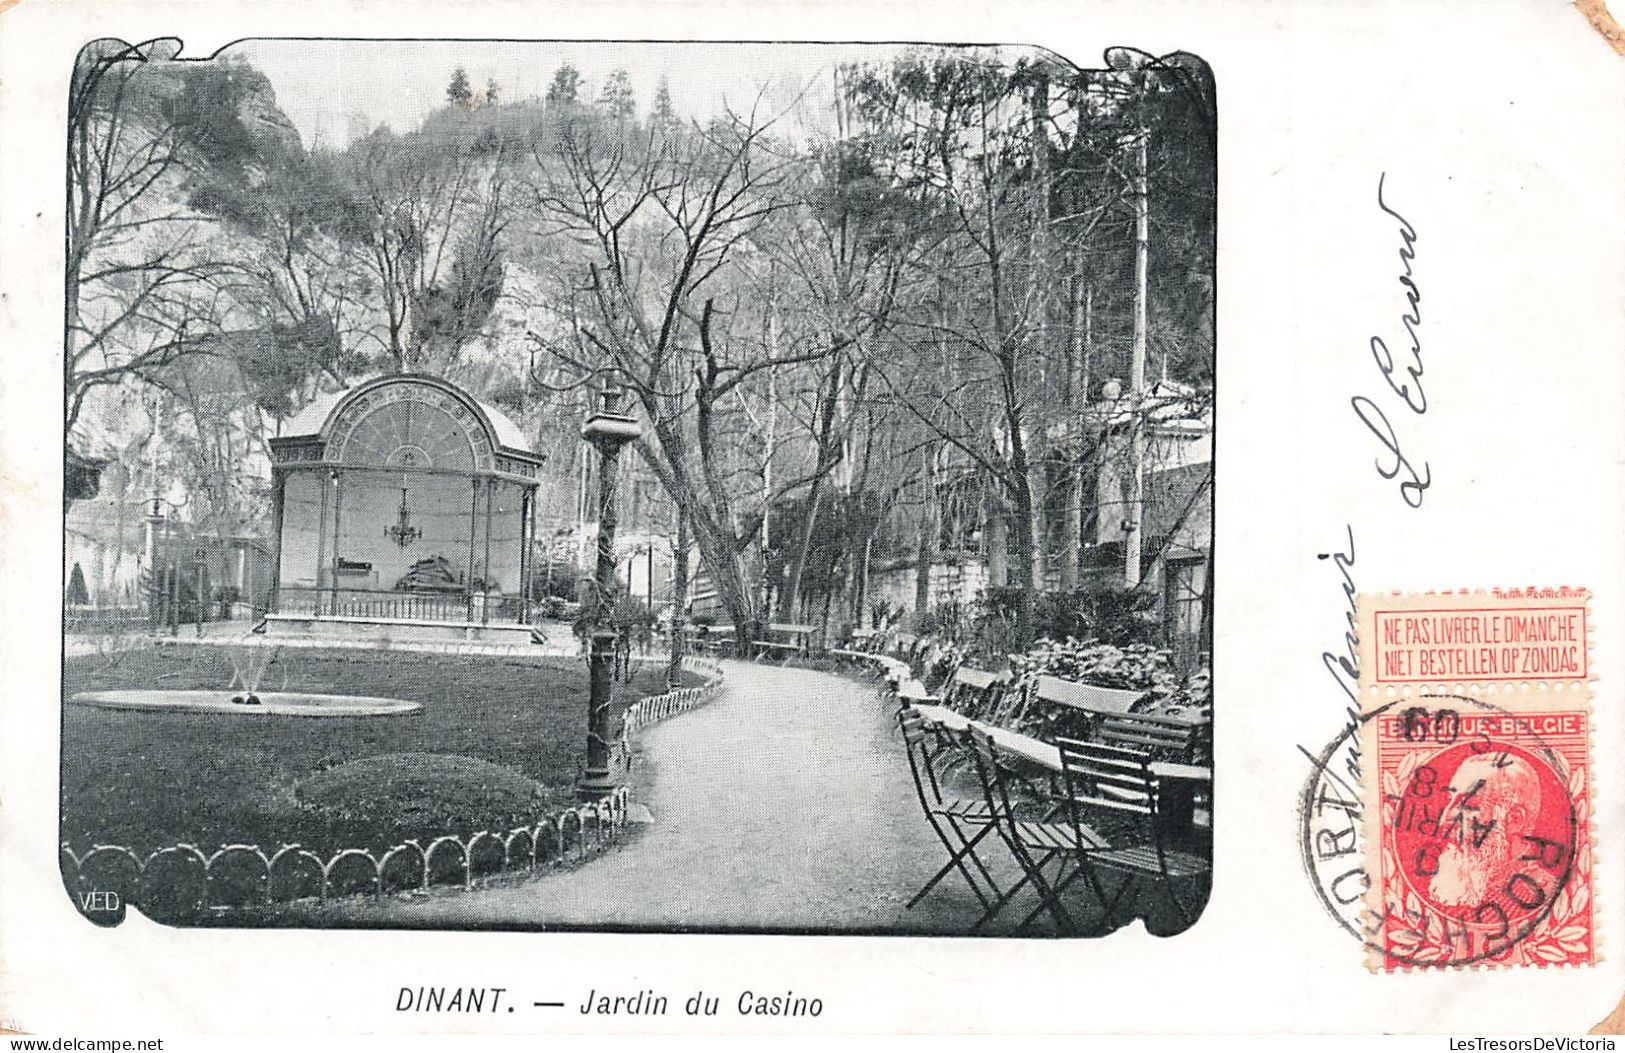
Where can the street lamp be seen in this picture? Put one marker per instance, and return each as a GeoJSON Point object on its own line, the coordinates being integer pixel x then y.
{"type": "Point", "coordinates": [199, 559]}
{"type": "Point", "coordinates": [607, 430]}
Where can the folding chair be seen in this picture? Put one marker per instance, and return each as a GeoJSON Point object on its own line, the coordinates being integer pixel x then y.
{"type": "Point", "coordinates": [1116, 790]}
{"type": "Point", "coordinates": [1161, 737]}
{"type": "Point", "coordinates": [1034, 843]}
{"type": "Point", "coordinates": [960, 823]}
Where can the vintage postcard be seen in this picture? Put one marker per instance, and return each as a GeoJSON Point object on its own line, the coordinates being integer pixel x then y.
{"type": "Point", "coordinates": [456, 442]}
{"type": "Point", "coordinates": [609, 518]}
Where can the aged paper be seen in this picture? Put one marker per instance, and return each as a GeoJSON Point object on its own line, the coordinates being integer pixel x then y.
{"type": "Point", "coordinates": [1309, 315]}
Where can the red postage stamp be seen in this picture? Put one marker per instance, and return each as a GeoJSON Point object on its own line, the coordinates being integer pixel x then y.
{"type": "Point", "coordinates": [1483, 848]}
{"type": "Point", "coordinates": [1477, 783]}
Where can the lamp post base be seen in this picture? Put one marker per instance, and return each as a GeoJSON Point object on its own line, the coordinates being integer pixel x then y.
{"type": "Point", "coordinates": [594, 785]}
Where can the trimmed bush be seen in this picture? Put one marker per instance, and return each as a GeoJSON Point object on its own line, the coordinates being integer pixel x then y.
{"type": "Point", "coordinates": [395, 796]}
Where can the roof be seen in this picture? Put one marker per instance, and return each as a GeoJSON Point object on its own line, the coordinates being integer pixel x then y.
{"type": "Point", "coordinates": [313, 419]}
{"type": "Point", "coordinates": [309, 420]}
{"type": "Point", "coordinates": [90, 440]}
{"type": "Point", "coordinates": [509, 434]}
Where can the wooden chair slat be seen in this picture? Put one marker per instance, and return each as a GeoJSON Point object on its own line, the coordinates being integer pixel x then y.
{"type": "Point", "coordinates": [1140, 808]}
{"type": "Point", "coordinates": [1115, 781]}
{"type": "Point", "coordinates": [1162, 735]}
{"type": "Point", "coordinates": [1145, 740]}
{"type": "Point", "coordinates": [1099, 749]}
{"type": "Point", "coordinates": [1111, 762]}
{"type": "Point", "coordinates": [979, 679]}
{"type": "Point", "coordinates": [1167, 727]}
{"type": "Point", "coordinates": [1085, 696]}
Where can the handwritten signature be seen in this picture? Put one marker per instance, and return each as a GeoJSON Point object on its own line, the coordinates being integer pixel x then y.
{"type": "Point", "coordinates": [1404, 376]}
{"type": "Point", "coordinates": [1329, 809]}
{"type": "Point", "coordinates": [1344, 663]}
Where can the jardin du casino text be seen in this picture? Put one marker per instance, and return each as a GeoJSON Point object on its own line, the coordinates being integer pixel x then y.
{"type": "Point", "coordinates": [598, 1003]}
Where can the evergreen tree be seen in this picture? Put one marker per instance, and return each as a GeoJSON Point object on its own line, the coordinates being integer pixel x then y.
{"type": "Point", "coordinates": [458, 93]}
{"type": "Point", "coordinates": [566, 84]}
{"type": "Point", "coordinates": [616, 99]}
{"type": "Point", "coordinates": [491, 92]}
{"type": "Point", "coordinates": [661, 114]}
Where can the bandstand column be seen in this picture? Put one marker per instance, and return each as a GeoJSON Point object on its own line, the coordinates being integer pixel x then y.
{"type": "Point", "coordinates": [333, 572]}
{"type": "Point", "coordinates": [485, 569]}
{"type": "Point", "coordinates": [525, 495]}
{"type": "Point", "coordinates": [473, 526]}
{"type": "Point", "coordinates": [325, 486]}
{"type": "Point", "coordinates": [279, 481]}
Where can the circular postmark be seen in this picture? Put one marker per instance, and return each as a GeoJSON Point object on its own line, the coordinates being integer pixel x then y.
{"type": "Point", "coordinates": [1330, 834]}
{"type": "Point", "coordinates": [1477, 838]}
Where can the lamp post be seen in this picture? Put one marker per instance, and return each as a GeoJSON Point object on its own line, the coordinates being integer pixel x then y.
{"type": "Point", "coordinates": [198, 562]}
{"type": "Point", "coordinates": [155, 592]}
{"type": "Point", "coordinates": [607, 430]}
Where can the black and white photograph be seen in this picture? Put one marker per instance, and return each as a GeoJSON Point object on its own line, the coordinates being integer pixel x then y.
{"type": "Point", "coordinates": [677, 487]}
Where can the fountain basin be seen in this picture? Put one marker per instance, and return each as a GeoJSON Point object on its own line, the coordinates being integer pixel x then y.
{"type": "Point", "coordinates": [271, 704]}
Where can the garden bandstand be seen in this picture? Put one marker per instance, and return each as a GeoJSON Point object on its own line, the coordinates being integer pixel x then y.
{"type": "Point", "coordinates": [402, 510]}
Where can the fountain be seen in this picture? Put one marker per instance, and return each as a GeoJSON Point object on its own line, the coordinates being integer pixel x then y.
{"type": "Point", "coordinates": [243, 697]}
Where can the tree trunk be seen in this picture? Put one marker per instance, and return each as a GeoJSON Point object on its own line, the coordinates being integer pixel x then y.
{"type": "Point", "coordinates": [828, 455]}
{"type": "Point", "coordinates": [679, 599]}
{"type": "Point", "coordinates": [118, 538]}
{"type": "Point", "coordinates": [1043, 257]}
{"type": "Point", "coordinates": [1036, 487]}
{"type": "Point", "coordinates": [998, 547]}
{"type": "Point", "coordinates": [1133, 540]}
{"type": "Point", "coordinates": [709, 525]}
{"type": "Point", "coordinates": [1026, 562]}
{"type": "Point", "coordinates": [769, 447]}
{"type": "Point", "coordinates": [829, 594]}
{"type": "Point", "coordinates": [1205, 641]}
{"type": "Point", "coordinates": [926, 552]}
{"type": "Point", "coordinates": [1076, 400]}
{"type": "Point", "coordinates": [860, 590]}
{"type": "Point", "coordinates": [726, 568]}
{"type": "Point", "coordinates": [1071, 542]}
{"type": "Point", "coordinates": [795, 566]}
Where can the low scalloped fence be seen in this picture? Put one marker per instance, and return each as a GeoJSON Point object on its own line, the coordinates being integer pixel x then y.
{"type": "Point", "coordinates": [181, 881]}
{"type": "Point", "coordinates": [646, 711]}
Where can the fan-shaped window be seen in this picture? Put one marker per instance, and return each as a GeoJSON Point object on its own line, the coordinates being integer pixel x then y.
{"type": "Point", "coordinates": [408, 433]}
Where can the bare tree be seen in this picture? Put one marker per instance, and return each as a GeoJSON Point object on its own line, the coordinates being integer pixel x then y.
{"type": "Point", "coordinates": [435, 210]}
{"type": "Point", "coordinates": [659, 301]}
{"type": "Point", "coordinates": [301, 253]}
{"type": "Point", "coordinates": [846, 253]}
{"type": "Point", "coordinates": [993, 339]}
{"type": "Point", "coordinates": [975, 333]}
{"type": "Point", "coordinates": [143, 281]}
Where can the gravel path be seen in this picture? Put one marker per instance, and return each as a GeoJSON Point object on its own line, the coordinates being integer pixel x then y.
{"type": "Point", "coordinates": [782, 805]}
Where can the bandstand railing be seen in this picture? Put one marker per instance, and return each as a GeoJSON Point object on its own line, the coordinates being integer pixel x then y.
{"type": "Point", "coordinates": [475, 608]}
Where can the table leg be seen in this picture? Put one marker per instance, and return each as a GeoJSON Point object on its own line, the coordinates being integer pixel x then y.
{"type": "Point", "coordinates": [1176, 806]}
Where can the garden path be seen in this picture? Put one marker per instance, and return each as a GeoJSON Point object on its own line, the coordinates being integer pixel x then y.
{"type": "Point", "coordinates": [784, 804]}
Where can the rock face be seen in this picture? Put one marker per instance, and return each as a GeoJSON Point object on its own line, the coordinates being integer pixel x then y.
{"type": "Point", "coordinates": [162, 81]}
{"type": "Point", "coordinates": [257, 107]}
{"type": "Point", "coordinates": [223, 113]}
{"type": "Point", "coordinates": [259, 112]}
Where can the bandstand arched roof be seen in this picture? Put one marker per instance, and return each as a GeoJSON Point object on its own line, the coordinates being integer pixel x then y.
{"type": "Point", "coordinates": [406, 420]}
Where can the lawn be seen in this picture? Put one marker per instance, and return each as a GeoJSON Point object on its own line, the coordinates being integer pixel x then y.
{"type": "Point", "coordinates": [498, 741]}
